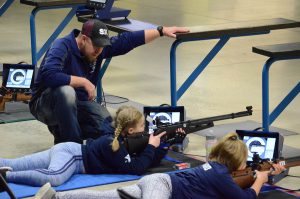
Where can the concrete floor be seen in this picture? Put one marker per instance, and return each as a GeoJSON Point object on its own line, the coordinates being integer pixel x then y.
{"type": "Point", "coordinates": [232, 81]}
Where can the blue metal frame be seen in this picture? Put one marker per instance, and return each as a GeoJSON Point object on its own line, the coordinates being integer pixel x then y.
{"type": "Point", "coordinates": [268, 119]}
{"type": "Point", "coordinates": [176, 94]}
{"type": "Point", "coordinates": [109, 12]}
{"type": "Point", "coordinates": [5, 6]}
{"type": "Point", "coordinates": [100, 76]}
{"type": "Point", "coordinates": [36, 55]}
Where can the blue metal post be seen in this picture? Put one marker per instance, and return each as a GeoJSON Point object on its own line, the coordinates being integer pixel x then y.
{"type": "Point", "coordinates": [265, 93]}
{"type": "Point", "coordinates": [5, 6]}
{"type": "Point", "coordinates": [101, 74]}
{"type": "Point", "coordinates": [173, 72]}
{"type": "Point", "coordinates": [198, 70]}
{"type": "Point", "coordinates": [176, 95]}
{"type": "Point", "coordinates": [267, 118]}
{"type": "Point", "coordinates": [33, 36]}
{"type": "Point", "coordinates": [284, 103]}
{"type": "Point", "coordinates": [57, 31]}
{"type": "Point", "coordinates": [36, 55]}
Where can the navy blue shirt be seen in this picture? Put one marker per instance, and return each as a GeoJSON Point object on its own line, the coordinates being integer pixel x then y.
{"type": "Point", "coordinates": [208, 181]}
{"type": "Point", "coordinates": [98, 156]}
{"type": "Point", "coordinates": [64, 59]}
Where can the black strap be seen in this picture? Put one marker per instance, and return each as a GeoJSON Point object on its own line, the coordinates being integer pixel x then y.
{"type": "Point", "coordinates": [5, 187]}
{"type": "Point", "coordinates": [124, 195]}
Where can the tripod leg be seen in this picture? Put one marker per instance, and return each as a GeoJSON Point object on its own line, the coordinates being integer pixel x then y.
{"type": "Point", "coordinates": [5, 187]}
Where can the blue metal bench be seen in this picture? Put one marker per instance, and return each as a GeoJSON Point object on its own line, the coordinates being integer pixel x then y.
{"type": "Point", "coordinates": [275, 53]}
{"type": "Point", "coordinates": [223, 32]}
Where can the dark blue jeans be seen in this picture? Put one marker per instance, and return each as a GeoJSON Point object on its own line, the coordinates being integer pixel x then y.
{"type": "Point", "coordinates": [68, 119]}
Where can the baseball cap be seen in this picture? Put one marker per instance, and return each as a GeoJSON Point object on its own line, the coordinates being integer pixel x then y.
{"type": "Point", "coordinates": [97, 31]}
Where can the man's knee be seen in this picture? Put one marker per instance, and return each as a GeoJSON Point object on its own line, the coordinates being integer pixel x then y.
{"type": "Point", "coordinates": [65, 94]}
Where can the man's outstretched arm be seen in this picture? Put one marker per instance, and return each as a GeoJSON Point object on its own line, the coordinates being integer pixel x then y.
{"type": "Point", "coordinates": [152, 34]}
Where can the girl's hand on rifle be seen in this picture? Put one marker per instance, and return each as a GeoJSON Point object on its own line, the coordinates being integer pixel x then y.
{"type": "Point", "coordinates": [180, 130]}
{"type": "Point", "coordinates": [155, 140]}
{"type": "Point", "coordinates": [262, 176]}
{"type": "Point", "coordinates": [277, 169]}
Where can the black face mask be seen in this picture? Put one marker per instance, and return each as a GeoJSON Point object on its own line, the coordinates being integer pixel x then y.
{"type": "Point", "coordinates": [136, 143]}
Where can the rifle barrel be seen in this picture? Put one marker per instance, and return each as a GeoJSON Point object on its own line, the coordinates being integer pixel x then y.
{"type": "Point", "coordinates": [223, 117]}
{"type": "Point", "coordinates": [200, 124]}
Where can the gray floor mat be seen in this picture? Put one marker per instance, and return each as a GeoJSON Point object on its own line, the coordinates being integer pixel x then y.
{"type": "Point", "coordinates": [115, 102]}
{"type": "Point", "coordinates": [15, 112]}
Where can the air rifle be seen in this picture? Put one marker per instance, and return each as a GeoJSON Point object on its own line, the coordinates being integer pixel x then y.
{"type": "Point", "coordinates": [9, 96]}
{"type": "Point", "coordinates": [245, 178]}
{"type": "Point", "coordinates": [137, 143]}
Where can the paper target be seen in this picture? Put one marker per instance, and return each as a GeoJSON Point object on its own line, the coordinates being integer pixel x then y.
{"type": "Point", "coordinates": [256, 144]}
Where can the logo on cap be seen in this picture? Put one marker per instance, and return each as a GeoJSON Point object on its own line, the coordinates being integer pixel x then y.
{"type": "Point", "coordinates": [103, 31]}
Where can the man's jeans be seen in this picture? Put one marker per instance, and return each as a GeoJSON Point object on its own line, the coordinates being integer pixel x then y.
{"type": "Point", "coordinates": [68, 119]}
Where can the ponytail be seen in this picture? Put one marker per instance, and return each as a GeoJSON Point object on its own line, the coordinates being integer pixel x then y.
{"type": "Point", "coordinates": [230, 151]}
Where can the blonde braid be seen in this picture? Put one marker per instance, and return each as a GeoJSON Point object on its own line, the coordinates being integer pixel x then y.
{"type": "Point", "coordinates": [126, 117]}
{"type": "Point", "coordinates": [121, 126]}
{"type": "Point", "coordinates": [115, 144]}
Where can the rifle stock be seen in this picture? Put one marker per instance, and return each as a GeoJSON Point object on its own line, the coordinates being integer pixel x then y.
{"type": "Point", "coordinates": [16, 97]}
{"type": "Point", "coordinates": [245, 178]}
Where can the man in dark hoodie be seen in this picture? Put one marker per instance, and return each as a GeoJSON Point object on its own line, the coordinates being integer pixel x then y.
{"type": "Point", "coordinates": [64, 89]}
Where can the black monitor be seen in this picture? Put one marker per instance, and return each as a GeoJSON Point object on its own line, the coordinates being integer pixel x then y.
{"type": "Point", "coordinates": [96, 4]}
{"type": "Point", "coordinates": [18, 77]}
{"type": "Point", "coordinates": [268, 145]}
{"type": "Point", "coordinates": [164, 114]}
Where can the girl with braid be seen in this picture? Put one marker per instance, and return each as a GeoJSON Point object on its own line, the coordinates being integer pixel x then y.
{"type": "Point", "coordinates": [106, 154]}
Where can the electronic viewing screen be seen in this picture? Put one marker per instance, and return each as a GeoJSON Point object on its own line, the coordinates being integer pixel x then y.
{"type": "Point", "coordinates": [96, 4]}
{"type": "Point", "coordinates": [265, 144]}
{"type": "Point", "coordinates": [164, 114]}
{"type": "Point", "coordinates": [264, 147]}
{"type": "Point", "coordinates": [18, 77]}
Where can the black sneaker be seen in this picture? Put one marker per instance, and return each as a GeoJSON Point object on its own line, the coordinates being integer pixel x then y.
{"type": "Point", "coordinates": [2, 184]}
{"type": "Point", "coordinates": [3, 171]}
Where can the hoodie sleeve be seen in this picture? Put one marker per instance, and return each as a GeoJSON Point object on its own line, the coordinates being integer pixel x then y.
{"type": "Point", "coordinates": [122, 162]}
{"type": "Point", "coordinates": [160, 153]}
{"type": "Point", "coordinates": [123, 43]}
{"type": "Point", "coordinates": [52, 67]}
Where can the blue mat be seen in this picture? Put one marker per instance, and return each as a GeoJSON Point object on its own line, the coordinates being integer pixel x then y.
{"type": "Point", "coordinates": [276, 192]}
{"type": "Point", "coordinates": [77, 181]}
{"type": "Point", "coordinates": [86, 180]}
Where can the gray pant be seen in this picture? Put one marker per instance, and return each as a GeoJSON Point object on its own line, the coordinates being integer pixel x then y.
{"type": "Point", "coordinates": [68, 119]}
{"type": "Point", "coordinates": [149, 187]}
{"type": "Point", "coordinates": [55, 165]}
